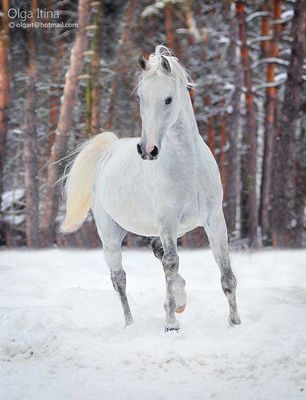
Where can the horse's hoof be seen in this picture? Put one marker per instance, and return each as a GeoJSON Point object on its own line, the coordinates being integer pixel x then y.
{"type": "Point", "coordinates": [175, 329]}
{"type": "Point", "coordinates": [234, 320]}
{"type": "Point", "coordinates": [129, 323]}
{"type": "Point", "coordinates": [180, 309]}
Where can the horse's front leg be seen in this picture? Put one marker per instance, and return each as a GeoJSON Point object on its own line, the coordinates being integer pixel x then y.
{"type": "Point", "coordinates": [170, 262]}
{"type": "Point", "coordinates": [179, 284]}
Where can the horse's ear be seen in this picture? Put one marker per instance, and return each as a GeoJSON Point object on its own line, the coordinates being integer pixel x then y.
{"type": "Point", "coordinates": [142, 63]}
{"type": "Point", "coordinates": [165, 64]}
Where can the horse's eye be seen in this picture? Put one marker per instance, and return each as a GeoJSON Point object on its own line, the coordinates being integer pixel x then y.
{"type": "Point", "coordinates": [168, 100]}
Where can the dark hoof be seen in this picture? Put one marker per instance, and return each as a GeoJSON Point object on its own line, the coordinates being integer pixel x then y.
{"type": "Point", "coordinates": [235, 320]}
{"type": "Point", "coordinates": [129, 323]}
{"type": "Point", "coordinates": [176, 329]}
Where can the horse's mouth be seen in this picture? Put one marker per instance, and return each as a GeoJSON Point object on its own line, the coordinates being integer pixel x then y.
{"type": "Point", "coordinates": [148, 157]}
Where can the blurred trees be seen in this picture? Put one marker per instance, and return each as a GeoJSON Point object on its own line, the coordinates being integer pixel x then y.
{"type": "Point", "coordinates": [271, 51]}
{"type": "Point", "coordinates": [30, 140]}
{"type": "Point", "coordinates": [250, 134]}
{"type": "Point", "coordinates": [4, 89]}
{"type": "Point", "coordinates": [289, 178]}
{"type": "Point", "coordinates": [64, 124]}
{"type": "Point", "coordinates": [66, 84]}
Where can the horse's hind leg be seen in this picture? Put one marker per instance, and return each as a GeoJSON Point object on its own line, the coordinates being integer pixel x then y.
{"type": "Point", "coordinates": [112, 256]}
{"type": "Point", "coordinates": [179, 283]}
{"type": "Point", "coordinates": [112, 235]}
{"type": "Point", "coordinates": [156, 247]}
{"type": "Point", "coordinates": [217, 235]}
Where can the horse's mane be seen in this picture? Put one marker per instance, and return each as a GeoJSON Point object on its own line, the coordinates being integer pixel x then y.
{"type": "Point", "coordinates": [178, 71]}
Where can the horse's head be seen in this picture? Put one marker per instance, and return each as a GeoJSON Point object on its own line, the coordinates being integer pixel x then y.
{"type": "Point", "coordinates": [159, 100]}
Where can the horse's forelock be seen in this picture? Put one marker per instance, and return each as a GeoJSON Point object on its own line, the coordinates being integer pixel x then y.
{"type": "Point", "coordinates": [154, 66]}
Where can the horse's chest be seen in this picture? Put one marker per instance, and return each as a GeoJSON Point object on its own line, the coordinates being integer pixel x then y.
{"type": "Point", "coordinates": [141, 206]}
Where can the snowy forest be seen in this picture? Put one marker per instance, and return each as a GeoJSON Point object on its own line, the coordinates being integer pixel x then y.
{"type": "Point", "coordinates": [69, 72]}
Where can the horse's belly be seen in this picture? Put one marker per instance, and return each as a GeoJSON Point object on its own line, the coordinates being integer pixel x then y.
{"type": "Point", "coordinates": [132, 218]}
{"type": "Point", "coordinates": [135, 223]}
{"type": "Point", "coordinates": [140, 217]}
{"type": "Point", "coordinates": [137, 226]}
{"type": "Point", "coordinates": [135, 212]}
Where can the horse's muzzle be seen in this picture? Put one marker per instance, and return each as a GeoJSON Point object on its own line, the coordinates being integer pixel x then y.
{"type": "Point", "coordinates": [149, 153]}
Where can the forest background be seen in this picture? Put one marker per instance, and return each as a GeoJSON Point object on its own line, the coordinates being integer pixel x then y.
{"type": "Point", "coordinates": [68, 70]}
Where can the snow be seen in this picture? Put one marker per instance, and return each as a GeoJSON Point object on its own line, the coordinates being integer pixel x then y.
{"type": "Point", "coordinates": [281, 77]}
{"type": "Point", "coordinates": [287, 15]}
{"type": "Point", "coordinates": [62, 334]}
{"type": "Point", "coordinates": [11, 196]}
{"type": "Point", "coordinates": [11, 199]}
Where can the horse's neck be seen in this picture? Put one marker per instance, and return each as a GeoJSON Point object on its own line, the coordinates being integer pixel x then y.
{"type": "Point", "coordinates": [189, 117]}
{"type": "Point", "coordinates": [184, 132]}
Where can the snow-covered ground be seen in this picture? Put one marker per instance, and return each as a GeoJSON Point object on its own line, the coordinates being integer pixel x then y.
{"type": "Point", "coordinates": [62, 335]}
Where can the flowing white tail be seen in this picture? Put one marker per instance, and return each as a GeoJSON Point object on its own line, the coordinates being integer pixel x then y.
{"type": "Point", "coordinates": [80, 180]}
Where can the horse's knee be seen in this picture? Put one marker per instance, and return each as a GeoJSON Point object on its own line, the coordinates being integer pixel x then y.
{"type": "Point", "coordinates": [170, 258]}
{"type": "Point", "coordinates": [228, 282]}
{"type": "Point", "coordinates": [118, 280]}
{"type": "Point", "coordinates": [170, 263]}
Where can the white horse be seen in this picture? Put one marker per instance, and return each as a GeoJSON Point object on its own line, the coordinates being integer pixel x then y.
{"type": "Point", "coordinates": [176, 191]}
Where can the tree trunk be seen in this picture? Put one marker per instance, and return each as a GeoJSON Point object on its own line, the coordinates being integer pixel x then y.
{"type": "Point", "coordinates": [190, 22]}
{"type": "Point", "coordinates": [270, 122]}
{"type": "Point", "coordinates": [283, 205]}
{"type": "Point", "coordinates": [64, 124]}
{"type": "Point", "coordinates": [233, 132]}
{"type": "Point", "coordinates": [55, 93]}
{"type": "Point", "coordinates": [265, 31]}
{"type": "Point", "coordinates": [85, 237]}
{"type": "Point", "coordinates": [170, 37]}
{"type": "Point", "coordinates": [96, 87]}
{"type": "Point", "coordinates": [193, 36]}
{"type": "Point", "coordinates": [251, 130]}
{"type": "Point", "coordinates": [4, 88]}
{"type": "Point", "coordinates": [93, 85]}
{"type": "Point", "coordinates": [300, 179]}
{"type": "Point", "coordinates": [30, 144]}
{"type": "Point", "coordinates": [125, 34]}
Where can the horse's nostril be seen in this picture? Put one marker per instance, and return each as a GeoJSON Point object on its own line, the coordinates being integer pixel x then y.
{"type": "Point", "coordinates": [154, 152]}
{"type": "Point", "coordinates": [139, 149]}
